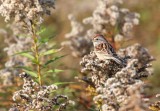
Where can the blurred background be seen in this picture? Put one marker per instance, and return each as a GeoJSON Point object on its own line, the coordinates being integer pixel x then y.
{"type": "Point", "coordinates": [146, 33]}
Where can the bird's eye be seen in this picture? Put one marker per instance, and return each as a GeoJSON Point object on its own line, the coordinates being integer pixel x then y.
{"type": "Point", "coordinates": [97, 39]}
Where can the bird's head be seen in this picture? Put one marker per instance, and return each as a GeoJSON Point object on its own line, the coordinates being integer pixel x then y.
{"type": "Point", "coordinates": [98, 39]}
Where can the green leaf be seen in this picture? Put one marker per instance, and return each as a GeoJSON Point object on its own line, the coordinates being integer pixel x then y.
{"type": "Point", "coordinates": [25, 54]}
{"type": "Point", "coordinates": [51, 51]}
{"type": "Point", "coordinates": [41, 30]}
{"type": "Point", "coordinates": [55, 71]}
{"type": "Point", "coordinates": [44, 40]}
{"type": "Point", "coordinates": [33, 74]}
{"type": "Point", "coordinates": [21, 53]}
{"type": "Point", "coordinates": [24, 67]}
{"type": "Point", "coordinates": [63, 83]}
{"type": "Point", "coordinates": [53, 60]}
{"type": "Point", "coordinates": [50, 30]}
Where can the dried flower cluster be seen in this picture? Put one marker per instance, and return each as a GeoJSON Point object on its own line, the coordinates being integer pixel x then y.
{"type": "Point", "coordinates": [79, 43]}
{"type": "Point", "coordinates": [39, 98]}
{"type": "Point", "coordinates": [90, 63]}
{"type": "Point", "coordinates": [27, 15]}
{"type": "Point", "coordinates": [108, 17]}
{"type": "Point", "coordinates": [135, 101]}
{"type": "Point", "coordinates": [15, 44]}
{"type": "Point", "coordinates": [115, 85]}
{"type": "Point", "coordinates": [22, 10]}
{"type": "Point", "coordinates": [118, 87]}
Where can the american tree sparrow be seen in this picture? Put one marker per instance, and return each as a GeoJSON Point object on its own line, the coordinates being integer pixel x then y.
{"type": "Point", "coordinates": [104, 50]}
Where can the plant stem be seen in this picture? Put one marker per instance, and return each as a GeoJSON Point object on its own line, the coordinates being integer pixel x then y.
{"type": "Point", "coordinates": [36, 52]}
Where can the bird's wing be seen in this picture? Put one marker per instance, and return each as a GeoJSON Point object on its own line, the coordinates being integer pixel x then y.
{"type": "Point", "coordinates": [109, 49]}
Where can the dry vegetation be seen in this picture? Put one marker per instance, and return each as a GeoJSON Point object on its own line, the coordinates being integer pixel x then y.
{"type": "Point", "coordinates": [50, 65]}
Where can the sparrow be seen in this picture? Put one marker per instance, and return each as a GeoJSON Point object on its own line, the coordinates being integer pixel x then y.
{"type": "Point", "coordinates": [104, 50]}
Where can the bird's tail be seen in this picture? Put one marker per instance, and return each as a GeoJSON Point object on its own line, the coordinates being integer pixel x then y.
{"type": "Point", "coordinates": [119, 61]}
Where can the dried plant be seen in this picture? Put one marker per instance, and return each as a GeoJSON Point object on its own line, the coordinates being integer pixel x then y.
{"type": "Point", "coordinates": [40, 98]}
{"type": "Point", "coordinates": [108, 19]}
{"type": "Point", "coordinates": [79, 43]}
{"type": "Point", "coordinates": [27, 17]}
{"type": "Point", "coordinates": [15, 44]}
{"type": "Point", "coordinates": [115, 84]}
{"type": "Point", "coordinates": [25, 10]}
{"type": "Point", "coordinates": [117, 87]}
